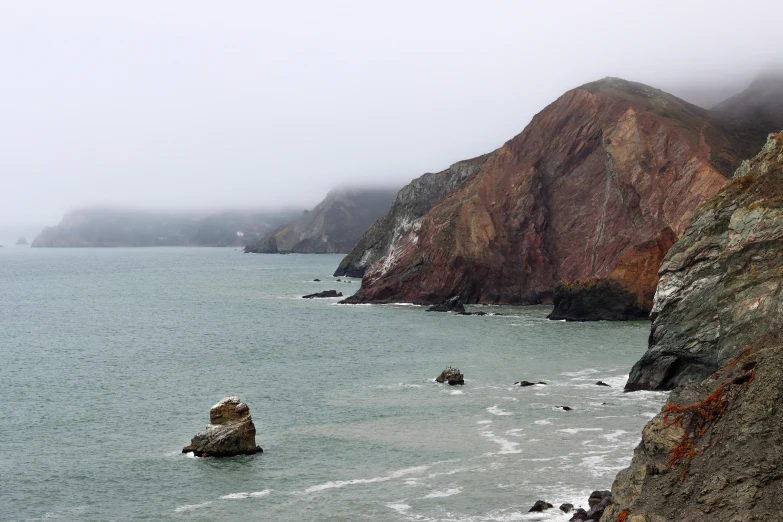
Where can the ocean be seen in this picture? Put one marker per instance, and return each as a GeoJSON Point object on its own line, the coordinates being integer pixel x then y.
{"type": "Point", "coordinates": [111, 358]}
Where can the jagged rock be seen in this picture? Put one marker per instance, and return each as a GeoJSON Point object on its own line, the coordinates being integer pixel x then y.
{"type": "Point", "coordinates": [230, 432]}
{"type": "Point", "coordinates": [539, 506]}
{"type": "Point", "coordinates": [601, 383]}
{"type": "Point", "coordinates": [452, 376]}
{"type": "Point", "coordinates": [452, 304]}
{"type": "Point", "coordinates": [566, 508]}
{"type": "Point", "coordinates": [579, 515]}
{"type": "Point", "coordinates": [325, 293]}
{"type": "Point", "coordinates": [582, 186]}
{"type": "Point", "coordinates": [714, 452]}
{"type": "Point", "coordinates": [598, 502]}
{"type": "Point", "coordinates": [410, 203]}
{"type": "Point", "coordinates": [719, 280]}
{"type": "Point", "coordinates": [528, 383]}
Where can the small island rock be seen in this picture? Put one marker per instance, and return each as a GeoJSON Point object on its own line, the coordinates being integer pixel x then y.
{"type": "Point", "coordinates": [539, 506]}
{"type": "Point", "coordinates": [325, 293]}
{"type": "Point", "coordinates": [230, 432]}
{"type": "Point", "coordinates": [451, 376]}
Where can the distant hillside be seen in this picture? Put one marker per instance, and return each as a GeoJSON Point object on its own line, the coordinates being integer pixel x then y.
{"type": "Point", "coordinates": [104, 227]}
{"type": "Point", "coordinates": [334, 225]}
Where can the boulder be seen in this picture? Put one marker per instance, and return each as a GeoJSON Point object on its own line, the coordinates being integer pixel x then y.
{"type": "Point", "coordinates": [528, 383]}
{"type": "Point", "coordinates": [539, 506]}
{"type": "Point", "coordinates": [452, 304]}
{"type": "Point", "coordinates": [578, 516]}
{"type": "Point", "coordinates": [230, 432]}
{"type": "Point", "coordinates": [451, 376]}
{"type": "Point", "coordinates": [601, 383]}
{"type": "Point", "coordinates": [598, 501]}
{"type": "Point", "coordinates": [325, 293]}
{"type": "Point", "coordinates": [566, 508]}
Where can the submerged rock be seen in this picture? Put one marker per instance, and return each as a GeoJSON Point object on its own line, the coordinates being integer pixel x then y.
{"type": "Point", "coordinates": [452, 376]}
{"type": "Point", "coordinates": [601, 383]}
{"type": "Point", "coordinates": [230, 432]}
{"type": "Point", "coordinates": [452, 304]}
{"type": "Point", "coordinates": [325, 293]}
{"type": "Point", "coordinates": [528, 383]}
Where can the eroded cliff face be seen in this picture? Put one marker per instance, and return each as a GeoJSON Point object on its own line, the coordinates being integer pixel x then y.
{"type": "Point", "coordinates": [333, 226]}
{"type": "Point", "coordinates": [411, 202]}
{"type": "Point", "coordinates": [720, 284]}
{"type": "Point", "coordinates": [596, 175]}
{"type": "Point", "coordinates": [715, 452]}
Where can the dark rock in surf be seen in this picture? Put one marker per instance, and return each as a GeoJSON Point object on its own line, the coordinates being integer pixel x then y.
{"type": "Point", "coordinates": [539, 506]}
{"type": "Point", "coordinates": [566, 508]}
{"type": "Point", "coordinates": [601, 383]}
{"type": "Point", "coordinates": [452, 304]}
{"type": "Point", "coordinates": [598, 501]}
{"type": "Point", "coordinates": [230, 432]}
{"type": "Point", "coordinates": [451, 376]}
{"type": "Point", "coordinates": [317, 280]}
{"type": "Point", "coordinates": [528, 383]}
{"type": "Point", "coordinates": [565, 408]}
{"type": "Point", "coordinates": [325, 293]}
{"type": "Point", "coordinates": [579, 515]}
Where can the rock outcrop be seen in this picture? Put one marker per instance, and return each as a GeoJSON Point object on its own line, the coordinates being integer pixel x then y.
{"type": "Point", "coordinates": [411, 202]}
{"type": "Point", "coordinates": [451, 375]}
{"type": "Point", "coordinates": [325, 293]}
{"type": "Point", "coordinates": [452, 304]}
{"type": "Point", "coordinates": [335, 225]}
{"type": "Point", "coordinates": [610, 171]}
{"type": "Point", "coordinates": [715, 452]}
{"type": "Point", "coordinates": [230, 432]}
{"type": "Point", "coordinates": [720, 280]}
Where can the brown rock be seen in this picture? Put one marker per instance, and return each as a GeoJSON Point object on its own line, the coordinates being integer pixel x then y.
{"type": "Point", "coordinates": [600, 183]}
{"type": "Point", "coordinates": [231, 432]}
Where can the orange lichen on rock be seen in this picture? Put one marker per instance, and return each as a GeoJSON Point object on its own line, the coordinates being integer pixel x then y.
{"type": "Point", "coordinates": [623, 516]}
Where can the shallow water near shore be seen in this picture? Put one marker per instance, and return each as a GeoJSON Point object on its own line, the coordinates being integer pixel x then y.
{"type": "Point", "coordinates": [111, 359]}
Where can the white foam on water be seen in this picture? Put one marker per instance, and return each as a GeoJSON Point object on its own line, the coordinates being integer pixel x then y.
{"type": "Point", "coordinates": [506, 446]}
{"type": "Point", "coordinates": [252, 494]}
{"type": "Point", "coordinates": [400, 507]}
{"type": "Point", "coordinates": [456, 392]}
{"type": "Point", "coordinates": [614, 435]}
{"type": "Point", "coordinates": [494, 410]}
{"type": "Point", "coordinates": [484, 422]}
{"type": "Point", "coordinates": [574, 431]}
{"type": "Point", "coordinates": [343, 483]}
{"type": "Point", "coordinates": [401, 304]}
{"type": "Point", "coordinates": [581, 373]}
{"type": "Point", "coordinates": [542, 422]}
{"type": "Point", "coordinates": [515, 432]}
{"type": "Point", "coordinates": [192, 507]}
{"type": "Point", "coordinates": [648, 414]}
{"type": "Point", "coordinates": [443, 494]}
{"type": "Point", "coordinates": [189, 455]}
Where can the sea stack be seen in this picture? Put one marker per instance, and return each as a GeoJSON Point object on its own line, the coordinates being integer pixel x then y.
{"type": "Point", "coordinates": [451, 376]}
{"type": "Point", "coordinates": [230, 432]}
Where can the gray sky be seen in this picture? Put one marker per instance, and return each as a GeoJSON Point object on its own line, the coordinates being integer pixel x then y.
{"type": "Point", "coordinates": [191, 104]}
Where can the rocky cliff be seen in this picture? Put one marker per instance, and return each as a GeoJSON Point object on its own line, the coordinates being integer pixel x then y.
{"type": "Point", "coordinates": [719, 280]}
{"type": "Point", "coordinates": [411, 202]}
{"type": "Point", "coordinates": [335, 225]}
{"type": "Point", "coordinates": [596, 176]}
{"type": "Point", "coordinates": [108, 227]}
{"type": "Point", "coordinates": [715, 452]}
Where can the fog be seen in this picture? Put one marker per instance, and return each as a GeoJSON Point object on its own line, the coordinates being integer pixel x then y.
{"type": "Point", "coordinates": [195, 104]}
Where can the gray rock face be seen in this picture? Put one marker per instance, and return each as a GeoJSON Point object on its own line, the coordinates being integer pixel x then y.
{"type": "Point", "coordinates": [721, 281]}
{"type": "Point", "coordinates": [716, 449]}
{"type": "Point", "coordinates": [410, 203]}
{"type": "Point", "coordinates": [230, 432]}
{"type": "Point", "coordinates": [333, 226]}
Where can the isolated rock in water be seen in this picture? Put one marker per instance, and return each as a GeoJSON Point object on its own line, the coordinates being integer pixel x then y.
{"type": "Point", "coordinates": [451, 376]}
{"type": "Point", "coordinates": [601, 383]}
{"type": "Point", "coordinates": [540, 505]}
{"type": "Point", "coordinates": [230, 432]}
{"type": "Point", "coordinates": [325, 293]}
{"type": "Point", "coordinates": [528, 383]}
{"type": "Point", "coordinates": [452, 304]}
{"type": "Point", "coordinates": [565, 408]}
{"type": "Point", "coordinates": [578, 516]}
{"type": "Point", "coordinates": [317, 280]}
{"type": "Point", "coordinates": [566, 508]}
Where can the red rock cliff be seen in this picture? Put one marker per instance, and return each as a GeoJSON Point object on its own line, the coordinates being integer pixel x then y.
{"type": "Point", "coordinates": [596, 176]}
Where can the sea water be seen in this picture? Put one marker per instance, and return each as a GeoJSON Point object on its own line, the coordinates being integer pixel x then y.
{"type": "Point", "coordinates": [111, 358]}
